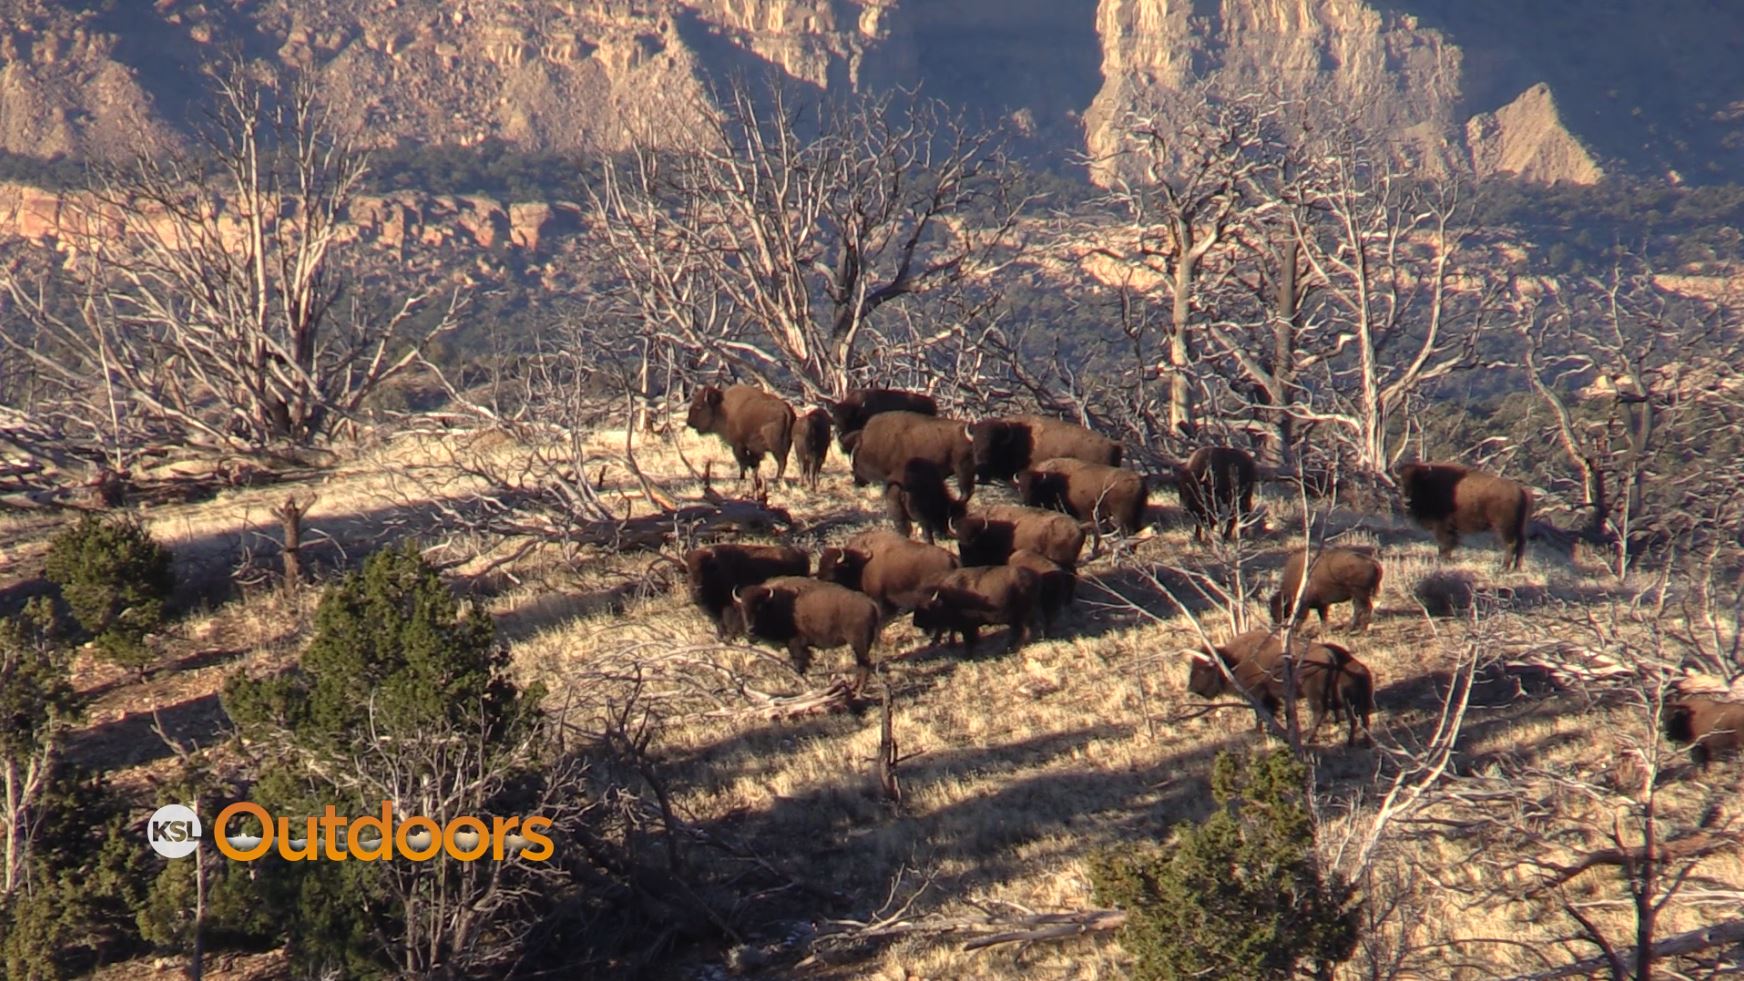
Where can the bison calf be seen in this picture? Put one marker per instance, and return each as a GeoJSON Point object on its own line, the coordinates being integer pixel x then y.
{"type": "Point", "coordinates": [895, 572]}
{"type": "Point", "coordinates": [1006, 447]}
{"type": "Point", "coordinates": [1710, 727]}
{"type": "Point", "coordinates": [807, 613]}
{"type": "Point", "coordinates": [1102, 495]}
{"type": "Point", "coordinates": [713, 572]}
{"type": "Point", "coordinates": [861, 404]}
{"type": "Point", "coordinates": [1059, 585]}
{"type": "Point", "coordinates": [1327, 675]}
{"type": "Point", "coordinates": [1216, 483]}
{"type": "Point", "coordinates": [811, 445]}
{"type": "Point", "coordinates": [1339, 575]}
{"type": "Point", "coordinates": [1448, 498]}
{"type": "Point", "coordinates": [989, 537]}
{"type": "Point", "coordinates": [966, 600]}
{"type": "Point", "coordinates": [752, 422]}
{"type": "Point", "coordinates": [921, 496]}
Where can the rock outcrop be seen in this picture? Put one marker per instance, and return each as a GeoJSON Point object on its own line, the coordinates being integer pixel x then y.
{"type": "Point", "coordinates": [1526, 139]}
{"type": "Point", "coordinates": [1433, 76]}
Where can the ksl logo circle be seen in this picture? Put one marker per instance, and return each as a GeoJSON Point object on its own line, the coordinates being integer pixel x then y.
{"type": "Point", "coordinates": [173, 831]}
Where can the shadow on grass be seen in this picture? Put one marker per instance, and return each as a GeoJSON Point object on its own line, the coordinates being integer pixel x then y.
{"type": "Point", "coordinates": [132, 741]}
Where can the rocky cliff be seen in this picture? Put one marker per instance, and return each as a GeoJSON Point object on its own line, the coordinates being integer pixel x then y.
{"type": "Point", "coordinates": [1487, 85]}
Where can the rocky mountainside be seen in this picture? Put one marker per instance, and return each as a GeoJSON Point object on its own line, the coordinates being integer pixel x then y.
{"type": "Point", "coordinates": [1553, 91]}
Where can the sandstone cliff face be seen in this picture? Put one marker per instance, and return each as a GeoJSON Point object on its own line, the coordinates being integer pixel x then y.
{"type": "Point", "coordinates": [1526, 138]}
{"type": "Point", "coordinates": [115, 78]}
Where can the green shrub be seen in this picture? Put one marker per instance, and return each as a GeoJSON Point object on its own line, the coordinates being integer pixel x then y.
{"type": "Point", "coordinates": [395, 661]}
{"type": "Point", "coordinates": [1239, 896]}
{"type": "Point", "coordinates": [116, 581]}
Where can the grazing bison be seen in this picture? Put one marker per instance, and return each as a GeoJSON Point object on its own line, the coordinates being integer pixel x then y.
{"type": "Point", "coordinates": [1328, 676]}
{"type": "Point", "coordinates": [750, 421]}
{"type": "Point", "coordinates": [861, 404]}
{"type": "Point", "coordinates": [989, 537]}
{"type": "Point", "coordinates": [714, 571]}
{"type": "Point", "coordinates": [1058, 584]}
{"type": "Point", "coordinates": [882, 449]}
{"type": "Point", "coordinates": [1216, 482]}
{"type": "Point", "coordinates": [1710, 727]}
{"type": "Point", "coordinates": [1088, 491]}
{"type": "Point", "coordinates": [1449, 498]}
{"type": "Point", "coordinates": [1006, 447]}
{"type": "Point", "coordinates": [895, 572]}
{"type": "Point", "coordinates": [807, 613]}
{"type": "Point", "coordinates": [811, 445]}
{"type": "Point", "coordinates": [1339, 575]}
{"type": "Point", "coordinates": [966, 600]}
{"type": "Point", "coordinates": [921, 495]}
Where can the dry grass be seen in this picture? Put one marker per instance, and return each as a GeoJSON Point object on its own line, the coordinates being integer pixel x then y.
{"type": "Point", "coordinates": [1018, 766]}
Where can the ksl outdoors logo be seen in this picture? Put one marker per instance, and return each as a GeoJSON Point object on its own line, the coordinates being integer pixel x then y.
{"type": "Point", "coordinates": [174, 831]}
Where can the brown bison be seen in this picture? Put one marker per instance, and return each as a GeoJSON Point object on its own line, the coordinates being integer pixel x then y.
{"type": "Point", "coordinates": [1710, 727]}
{"type": "Point", "coordinates": [1058, 585]}
{"type": "Point", "coordinates": [714, 571]}
{"type": "Point", "coordinates": [921, 496]}
{"type": "Point", "coordinates": [750, 421]}
{"type": "Point", "coordinates": [1006, 447]}
{"type": "Point", "coordinates": [1339, 575]}
{"type": "Point", "coordinates": [811, 444]}
{"type": "Point", "coordinates": [966, 600]}
{"type": "Point", "coordinates": [1449, 498]}
{"type": "Point", "coordinates": [989, 537]}
{"type": "Point", "coordinates": [1089, 492]}
{"type": "Point", "coordinates": [861, 404]}
{"type": "Point", "coordinates": [882, 449]}
{"type": "Point", "coordinates": [1328, 676]}
{"type": "Point", "coordinates": [1216, 482]}
{"type": "Point", "coordinates": [895, 572]}
{"type": "Point", "coordinates": [807, 613]}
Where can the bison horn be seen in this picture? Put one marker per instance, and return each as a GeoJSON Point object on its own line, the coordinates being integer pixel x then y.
{"type": "Point", "coordinates": [969, 433]}
{"type": "Point", "coordinates": [736, 597]}
{"type": "Point", "coordinates": [1198, 655]}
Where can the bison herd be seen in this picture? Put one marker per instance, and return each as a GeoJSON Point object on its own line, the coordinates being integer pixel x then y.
{"type": "Point", "coordinates": [1016, 566]}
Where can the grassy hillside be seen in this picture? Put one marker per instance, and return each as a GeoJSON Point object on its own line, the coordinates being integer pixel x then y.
{"type": "Point", "coordinates": [1014, 767]}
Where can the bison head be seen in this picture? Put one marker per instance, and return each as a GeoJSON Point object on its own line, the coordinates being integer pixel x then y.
{"type": "Point", "coordinates": [1679, 723]}
{"type": "Point", "coordinates": [705, 409]}
{"type": "Point", "coordinates": [841, 566]}
{"type": "Point", "coordinates": [932, 613]}
{"type": "Point", "coordinates": [1002, 448]}
{"type": "Point", "coordinates": [1203, 676]}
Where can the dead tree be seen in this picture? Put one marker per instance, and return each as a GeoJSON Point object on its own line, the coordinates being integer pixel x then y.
{"type": "Point", "coordinates": [1637, 379]}
{"type": "Point", "coordinates": [207, 302]}
{"type": "Point", "coordinates": [1187, 182]}
{"type": "Point", "coordinates": [771, 250]}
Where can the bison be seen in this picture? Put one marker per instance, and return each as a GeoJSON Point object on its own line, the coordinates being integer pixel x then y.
{"type": "Point", "coordinates": [807, 613]}
{"type": "Point", "coordinates": [989, 537]}
{"type": "Point", "coordinates": [1710, 727]}
{"type": "Point", "coordinates": [811, 445]}
{"type": "Point", "coordinates": [1449, 498]}
{"type": "Point", "coordinates": [921, 495]}
{"type": "Point", "coordinates": [1327, 675]}
{"type": "Point", "coordinates": [861, 404]}
{"type": "Point", "coordinates": [895, 572]}
{"type": "Point", "coordinates": [966, 600]}
{"type": "Point", "coordinates": [1088, 491]}
{"type": "Point", "coordinates": [1006, 447]}
{"type": "Point", "coordinates": [1058, 585]}
{"type": "Point", "coordinates": [1339, 575]}
{"type": "Point", "coordinates": [750, 421]}
{"type": "Point", "coordinates": [1216, 482]}
{"type": "Point", "coordinates": [882, 449]}
{"type": "Point", "coordinates": [714, 571]}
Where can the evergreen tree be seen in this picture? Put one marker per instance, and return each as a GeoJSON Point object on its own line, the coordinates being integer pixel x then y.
{"type": "Point", "coordinates": [1239, 896]}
